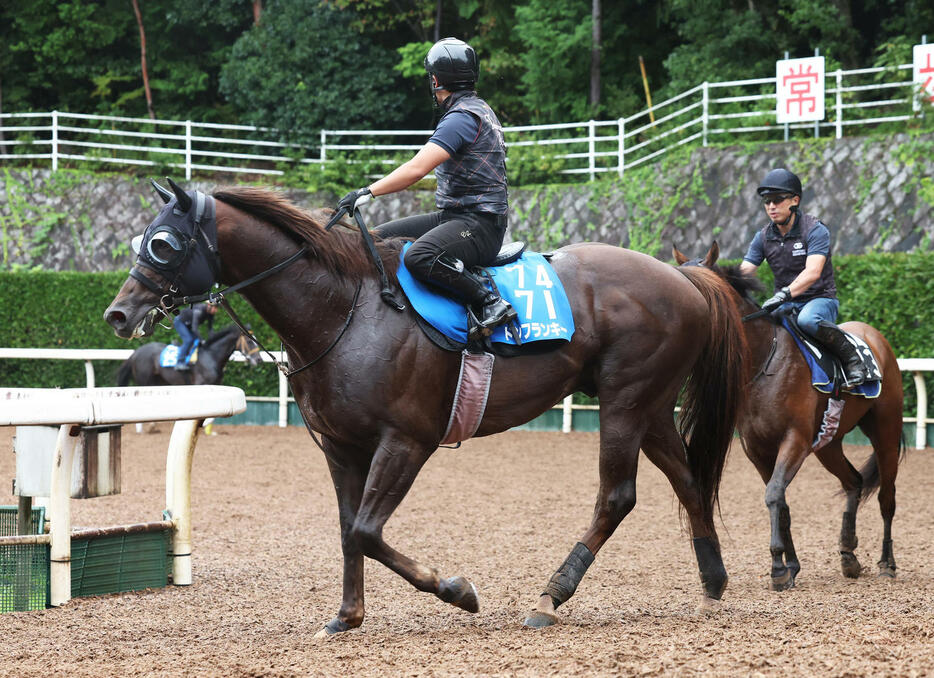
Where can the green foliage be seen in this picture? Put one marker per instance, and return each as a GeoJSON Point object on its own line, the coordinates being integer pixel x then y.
{"type": "Point", "coordinates": [42, 309]}
{"type": "Point", "coordinates": [303, 68]}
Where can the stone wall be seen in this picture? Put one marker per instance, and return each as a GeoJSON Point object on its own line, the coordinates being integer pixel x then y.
{"type": "Point", "coordinates": [876, 194]}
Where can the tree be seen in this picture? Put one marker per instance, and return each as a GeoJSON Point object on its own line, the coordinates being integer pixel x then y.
{"type": "Point", "coordinates": [142, 58]}
{"type": "Point", "coordinates": [303, 68]}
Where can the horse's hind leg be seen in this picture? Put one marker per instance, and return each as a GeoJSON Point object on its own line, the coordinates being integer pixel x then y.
{"type": "Point", "coordinates": [884, 432]}
{"type": "Point", "coordinates": [832, 458]}
{"type": "Point", "coordinates": [664, 448]}
{"type": "Point", "coordinates": [620, 433]}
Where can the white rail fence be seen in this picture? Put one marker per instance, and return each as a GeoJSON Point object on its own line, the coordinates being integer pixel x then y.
{"type": "Point", "coordinates": [917, 367]}
{"type": "Point", "coordinates": [740, 109]}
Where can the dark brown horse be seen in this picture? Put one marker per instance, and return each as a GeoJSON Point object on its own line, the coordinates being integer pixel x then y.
{"type": "Point", "coordinates": [379, 392]}
{"type": "Point", "coordinates": [142, 367]}
{"type": "Point", "coordinates": [782, 415]}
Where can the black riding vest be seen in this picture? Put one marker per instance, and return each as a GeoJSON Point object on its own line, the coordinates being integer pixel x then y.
{"type": "Point", "coordinates": [787, 256]}
{"type": "Point", "coordinates": [474, 179]}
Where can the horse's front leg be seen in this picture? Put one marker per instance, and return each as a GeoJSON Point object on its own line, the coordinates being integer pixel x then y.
{"type": "Point", "coordinates": [397, 461]}
{"type": "Point", "coordinates": [349, 479]}
{"type": "Point", "coordinates": [785, 565]}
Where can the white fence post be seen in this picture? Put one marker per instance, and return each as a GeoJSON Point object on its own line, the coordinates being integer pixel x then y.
{"type": "Point", "coordinates": [283, 400]}
{"type": "Point", "coordinates": [621, 126]}
{"type": "Point", "coordinates": [921, 434]}
{"type": "Point", "coordinates": [188, 150]}
{"type": "Point", "coordinates": [54, 140]}
{"type": "Point", "coordinates": [324, 141]}
{"type": "Point", "coordinates": [839, 104]}
{"type": "Point", "coordinates": [567, 417]}
{"type": "Point", "coordinates": [704, 115]}
{"type": "Point", "coordinates": [592, 148]}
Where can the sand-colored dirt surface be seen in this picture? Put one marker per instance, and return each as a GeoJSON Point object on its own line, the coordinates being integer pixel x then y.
{"type": "Point", "coordinates": [504, 512]}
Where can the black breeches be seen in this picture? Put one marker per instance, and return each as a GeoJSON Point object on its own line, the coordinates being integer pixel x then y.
{"type": "Point", "coordinates": [472, 237]}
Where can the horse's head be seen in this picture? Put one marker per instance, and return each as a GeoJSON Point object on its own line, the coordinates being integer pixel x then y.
{"type": "Point", "coordinates": [177, 257]}
{"type": "Point", "coordinates": [249, 349]}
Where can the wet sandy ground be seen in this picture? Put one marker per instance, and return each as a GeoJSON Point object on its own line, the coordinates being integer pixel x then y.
{"type": "Point", "coordinates": [504, 512]}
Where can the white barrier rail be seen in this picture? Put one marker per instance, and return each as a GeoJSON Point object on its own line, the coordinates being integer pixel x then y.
{"type": "Point", "coordinates": [917, 367]}
{"type": "Point", "coordinates": [864, 97]}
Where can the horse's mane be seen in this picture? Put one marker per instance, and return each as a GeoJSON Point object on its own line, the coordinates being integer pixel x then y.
{"type": "Point", "coordinates": [341, 250]}
{"type": "Point", "coordinates": [745, 285]}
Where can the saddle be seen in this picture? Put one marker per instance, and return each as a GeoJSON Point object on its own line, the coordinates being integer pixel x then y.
{"type": "Point", "coordinates": [525, 279]}
{"type": "Point", "coordinates": [827, 369]}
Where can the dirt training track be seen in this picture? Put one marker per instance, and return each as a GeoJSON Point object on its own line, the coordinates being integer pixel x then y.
{"type": "Point", "coordinates": [502, 511]}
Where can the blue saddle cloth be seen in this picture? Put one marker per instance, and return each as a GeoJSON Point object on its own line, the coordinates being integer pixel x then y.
{"type": "Point", "coordinates": [823, 365]}
{"type": "Point", "coordinates": [530, 284]}
{"type": "Point", "coordinates": [169, 355]}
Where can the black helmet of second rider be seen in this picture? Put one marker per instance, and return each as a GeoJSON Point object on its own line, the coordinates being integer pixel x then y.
{"type": "Point", "coordinates": [780, 180]}
{"type": "Point", "coordinates": [454, 64]}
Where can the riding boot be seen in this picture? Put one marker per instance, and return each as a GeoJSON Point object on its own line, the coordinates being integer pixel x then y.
{"type": "Point", "coordinates": [832, 336]}
{"type": "Point", "coordinates": [493, 310]}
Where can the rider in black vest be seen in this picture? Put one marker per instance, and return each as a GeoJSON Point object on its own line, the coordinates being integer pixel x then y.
{"type": "Point", "coordinates": [797, 247]}
{"type": "Point", "coordinates": [468, 155]}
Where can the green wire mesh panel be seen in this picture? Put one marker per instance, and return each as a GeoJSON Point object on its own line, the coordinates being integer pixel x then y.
{"type": "Point", "coordinates": [24, 568]}
{"type": "Point", "coordinates": [8, 521]}
{"type": "Point", "coordinates": [126, 562]}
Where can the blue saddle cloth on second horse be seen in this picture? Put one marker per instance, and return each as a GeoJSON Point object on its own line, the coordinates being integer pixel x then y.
{"type": "Point", "coordinates": [169, 355]}
{"type": "Point", "coordinates": [826, 370]}
{"type": "Point", "coordinates": [529, 283]}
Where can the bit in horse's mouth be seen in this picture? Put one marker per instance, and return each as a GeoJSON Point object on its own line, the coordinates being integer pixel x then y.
{"type": "Point", "coordinates": [144, 329]}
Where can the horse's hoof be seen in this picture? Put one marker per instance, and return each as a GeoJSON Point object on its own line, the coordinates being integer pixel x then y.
{"type": "Point", "coordinates": [460, 593]}
{"type": "Point", "coordinates": [539, 620]}
{"type": "Point", "coordinates": [886, 571]}
{"type": "Point", "coordinates": [332, 628]}
{"type": "Point", "coordinates": [850, 565]}
{"type": "Point", "coordinates": [783, 582]}
{"type": "Point", "coordinates": [709, 606]}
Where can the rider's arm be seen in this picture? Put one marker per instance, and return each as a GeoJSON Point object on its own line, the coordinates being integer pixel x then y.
{"type": "Point", "coordinates": [818, 248]}
{"type": "Point", "coordinates": [453, 132]}
{"type": "Point", "coordinates": [430, 156]}
{"type": "Point", "coordinates": [813, 266]}
{"type": "Point", "coordinates": [755, 255]}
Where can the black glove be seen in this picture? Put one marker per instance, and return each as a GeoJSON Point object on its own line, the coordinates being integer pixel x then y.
{"type": "Point", "coordinates": [350, 202]}
{"type": "Point", "coordinates": [777, 299]}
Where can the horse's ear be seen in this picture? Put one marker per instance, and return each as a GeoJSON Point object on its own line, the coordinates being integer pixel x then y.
{"type": "Point", "coordinates": [712, 255]}
{"type": "Point", "coordinates": [184, 200]}
{"type": "Point", "coordinates": [163, 192]}
{"type": "Point", "coordinates": [680, 258]}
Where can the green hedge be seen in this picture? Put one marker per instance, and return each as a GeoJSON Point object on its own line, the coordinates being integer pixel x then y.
{"type": "Point", "coordinates": [893, 292]}
{"type": "Point", "coordinates": [66, 310]}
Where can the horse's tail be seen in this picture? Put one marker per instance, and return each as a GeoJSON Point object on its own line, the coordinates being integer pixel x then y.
{"type": "Point", "coordinates": [124, 373]}
{"type": "Point", "coordinates": [870, 472]}
{"type": "Point", "coordinates": [713, 394]}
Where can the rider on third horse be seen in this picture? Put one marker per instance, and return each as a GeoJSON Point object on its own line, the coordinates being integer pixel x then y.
{"type": "Point", "coordinates": [797, 248]}
{"type": "Point", "coordinates": [186, 323]}
{"type": "Point", "coordinates": [468, 155]}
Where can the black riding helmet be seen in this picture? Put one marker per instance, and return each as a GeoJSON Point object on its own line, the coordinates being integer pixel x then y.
{"type": "Point", "coordinates": [454, 63]}
{"type": "Point", "coordinates": [780, 181]}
